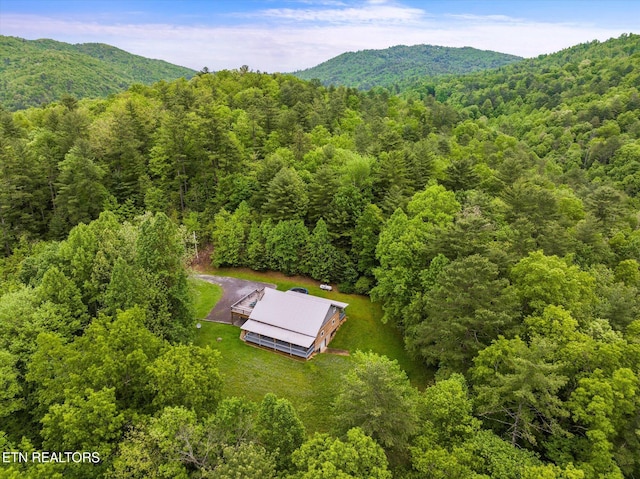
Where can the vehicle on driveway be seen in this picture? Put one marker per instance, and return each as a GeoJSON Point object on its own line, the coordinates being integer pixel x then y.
{"type": "Point", "coordinates": [299, 289]}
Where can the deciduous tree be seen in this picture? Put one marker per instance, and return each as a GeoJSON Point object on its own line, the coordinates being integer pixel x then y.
{"type": "Point", "coordinates": [358, 456]}
{"type": "Point", "coordinates": [86, 422]}
{"type": "Point", "coordinates": [280, 430]}
{"type": "Point", "coordinates": [377, 397]}
{"type": "Point", "coordinates": [186, 376]}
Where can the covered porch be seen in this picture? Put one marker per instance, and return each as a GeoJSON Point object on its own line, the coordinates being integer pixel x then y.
{"type": "Point", "coordinates": [278, 345]}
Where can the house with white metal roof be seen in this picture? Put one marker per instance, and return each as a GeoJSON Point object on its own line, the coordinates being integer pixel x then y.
{"type": "Point", "coordinates": [290, 322]}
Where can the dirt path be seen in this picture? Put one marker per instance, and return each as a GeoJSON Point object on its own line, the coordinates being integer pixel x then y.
{"type": "Point", "coordinates": [337, 352]}
{"type": "Point", "coordinates": [234, 289]}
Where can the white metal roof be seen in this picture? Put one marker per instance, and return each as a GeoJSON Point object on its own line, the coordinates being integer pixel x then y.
{"type": "Point", "coordinates": [278, 333]}
{"type": "Point", "coordinates": [310, 297]}
{"type": "Point", "coordinates": [290, 316]}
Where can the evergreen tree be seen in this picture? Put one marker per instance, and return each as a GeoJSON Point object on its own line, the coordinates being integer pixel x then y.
{"type": "Point", "coordinates": [365, 239]}
{"type": "Point", "coordinates": [517, 386]}
{"type": "Point", "coordinates": [321, 189]}
{"type": "Point", "coordinates": [159, 256]}
{"type": "Point", "coordinates": [229, 237]}
{"type": "Point", "coordinates": [322, 257]}
{"type": "Point", "coordinates": [80, 192]}
{"type": "Point", "coordinates": [285, 246]}
{"type": "Point", "coordinates": [257, 254]}
{"type": "Point", "coordinates": [286, 196]}
{"type": "Point", "coordinates": [466, 309]}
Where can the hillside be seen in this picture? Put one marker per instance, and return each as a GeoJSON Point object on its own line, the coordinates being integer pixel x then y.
{"type": "Point", "coordinates": [34, 72]}
{"type": "Point", "coordinates": [493, 219]}
{"type": "Point", "coordinates": [396, 65]}
{"type": "Point", "coordinates": [548, 81]}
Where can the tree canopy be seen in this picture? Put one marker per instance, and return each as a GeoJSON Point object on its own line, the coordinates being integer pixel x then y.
{"type": "Point", "coordinates": [493, 217]}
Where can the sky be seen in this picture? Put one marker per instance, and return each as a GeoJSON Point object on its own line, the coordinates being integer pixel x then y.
{"type": "Point", "coordinates": [290, 35]}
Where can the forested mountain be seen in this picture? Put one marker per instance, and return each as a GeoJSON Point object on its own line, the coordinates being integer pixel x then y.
{"type": "Point", "coordinates": [494, 216]}
{"type": "Point", "coordinates": [34, 72]}
{"type": "Point", "coordinates": [399, 65]}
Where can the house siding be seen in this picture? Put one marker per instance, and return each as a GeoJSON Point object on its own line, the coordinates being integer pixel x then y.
{"type": "Point", "coordinates": [328, 329]}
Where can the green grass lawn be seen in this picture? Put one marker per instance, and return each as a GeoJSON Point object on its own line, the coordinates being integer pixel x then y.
{"type": "Point", "coordinates": [252, 372]}
{"type": "Point", "coordinates": [206, 295]}
{"type": "Point", "coordinates": [310, 385]}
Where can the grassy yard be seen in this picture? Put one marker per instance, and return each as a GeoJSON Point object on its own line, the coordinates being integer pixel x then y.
{"type": "Point", "coordinates": [252, 372]}
{"type": "Point", "coordinates": [206, 296]}
{"type": "Point", "coordinates": [310, 385]}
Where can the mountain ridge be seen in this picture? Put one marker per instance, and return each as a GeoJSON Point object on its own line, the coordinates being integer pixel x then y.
{"type": "Point", "coordinates": [35, 72]}
{"type": "Point", "coordinates": [387, 67]}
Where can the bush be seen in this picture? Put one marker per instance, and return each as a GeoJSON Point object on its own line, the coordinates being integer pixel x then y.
{"type": "Point", "coordinates": [346, 287]}
{"type": "Point", "coordinates": [363, 285]}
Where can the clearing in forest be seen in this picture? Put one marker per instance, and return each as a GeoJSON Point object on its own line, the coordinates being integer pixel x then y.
{"type": "Point", "coordinates": [310, 385]}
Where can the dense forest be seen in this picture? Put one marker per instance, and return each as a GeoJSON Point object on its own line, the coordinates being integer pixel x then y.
{"type": "Point", "coordinates": [494, 216]}
{"type": "Point", "coordinates": [36, 72]}
{"type": "Point", "coordinates": [400, 65]}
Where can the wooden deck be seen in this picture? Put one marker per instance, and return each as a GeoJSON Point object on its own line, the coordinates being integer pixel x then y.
{"type": "Point", "coordinates": [241, 309]}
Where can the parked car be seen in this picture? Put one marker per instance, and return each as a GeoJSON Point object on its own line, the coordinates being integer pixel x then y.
{"type": "Point", "coordinates": [326, 287]}
{"type": "Point", "coordinates": [299, 289]}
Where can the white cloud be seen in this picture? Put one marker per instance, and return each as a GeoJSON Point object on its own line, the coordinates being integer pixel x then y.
{"type": "Point", "coordinates": [468, 17]}
{"type": "Point", "coordinates": [298, 39]}
{"type": "Point", "coordinates": [371, 12]}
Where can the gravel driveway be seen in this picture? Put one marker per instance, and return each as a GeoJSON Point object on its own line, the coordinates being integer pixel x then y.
{"type": "Point", "coordinates": [234, 289]}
